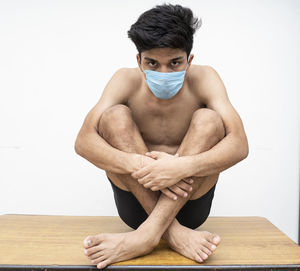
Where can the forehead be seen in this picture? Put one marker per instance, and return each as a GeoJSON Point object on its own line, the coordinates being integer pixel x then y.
{"type": "Point", "coordinates": [163, 54]}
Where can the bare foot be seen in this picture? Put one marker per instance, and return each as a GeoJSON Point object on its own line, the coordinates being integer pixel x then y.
{"type": "Point", "coordinates": [107, 248]}
{"type": "Point", "coordinates": [196, 245]}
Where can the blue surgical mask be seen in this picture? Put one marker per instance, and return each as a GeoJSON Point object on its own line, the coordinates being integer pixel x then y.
{"type": "Point", "coordinates": [164, 85]}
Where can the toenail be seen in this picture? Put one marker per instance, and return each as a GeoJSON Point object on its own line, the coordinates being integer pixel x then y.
{"type": "Point", "coordinates": [191, 188]}
{"type": "Point", "coordinates": [216, 239]}
{"type": "Point", "coordinates": [89, 242]}
{"type": "Point", "coordinates": [205, 256]}
{"type": "Point", "coordinates": [213, 247]}
{"type": "Point", "coordinates": [198, 259]}
{"type": "Point", "coordinates": [185, 194]}
{"type": "Point", "coordinates": [85, 252]}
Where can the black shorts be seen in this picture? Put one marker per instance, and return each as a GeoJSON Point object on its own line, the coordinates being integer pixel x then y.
{"type": "Point", "coordinates": [192, 214]}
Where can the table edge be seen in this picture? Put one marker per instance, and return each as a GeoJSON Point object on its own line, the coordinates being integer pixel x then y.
{"type": "Point", "coordinates": [151, 267]}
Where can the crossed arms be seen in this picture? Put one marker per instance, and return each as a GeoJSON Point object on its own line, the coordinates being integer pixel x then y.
{"type": "Point", "coordinates": [229, 151]}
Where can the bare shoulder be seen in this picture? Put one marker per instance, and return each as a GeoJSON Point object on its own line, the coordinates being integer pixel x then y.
{"type": "Point", "coordinates": [122, 84]}
{"type": "Point", "coordinates": [201, 72]}
{"type": "Point", "coordinates": [128, 77]}
{"type": "Point", "coordinates": [117, 91]}
{"type": "Point", "coordinates": [206, 82]}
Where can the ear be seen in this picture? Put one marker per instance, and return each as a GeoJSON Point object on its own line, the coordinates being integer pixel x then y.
{"type": "Point", "coordinates": [191, 57]}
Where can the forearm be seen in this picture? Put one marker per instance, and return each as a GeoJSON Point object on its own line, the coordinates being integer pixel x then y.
{"type": "Point", "coordinates": [229, 151]}
{"type": "Point", "coordinates": [95, 149]}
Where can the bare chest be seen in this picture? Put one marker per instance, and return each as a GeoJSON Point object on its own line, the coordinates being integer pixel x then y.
{"type": "Point", "coordinates": [163, 123]}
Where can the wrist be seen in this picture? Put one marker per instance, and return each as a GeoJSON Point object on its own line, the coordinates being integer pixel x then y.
{"type": "Point", "coordinates": [133, 162]}
{"type": "Point", "coordinates": [190, 165]}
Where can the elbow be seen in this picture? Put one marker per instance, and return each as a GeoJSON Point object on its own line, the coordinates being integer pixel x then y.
{"type": "Point", "coordinates": [244, 149]}
{"type": "Point", "coordinates": [78, 146]}
{"type": "Point", "coordinates": [245, 153]}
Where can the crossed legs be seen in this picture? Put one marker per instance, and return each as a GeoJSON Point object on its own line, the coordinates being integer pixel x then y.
{"type": "Point", "coordinates": [206, 129]}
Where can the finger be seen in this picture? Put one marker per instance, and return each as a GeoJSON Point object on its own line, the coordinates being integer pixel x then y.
{"type": "Point", "coordinates": [144, 180]}
{"type": "Point", "coordinates": [154, 188]}
{"type": "Point", "coordinates": [169, 193]}
{"type": "Point", "coordinates": [151, 155]}
{"type": "Point", "coordinates": [188, 180]}
{"type": "Point", "coordinates": [140, 173]}
{"type": "Point", "coordinates": [178, 191]}
{"type": "Point", "coordinates": [159, 154]}
{"type": "Point", "coordinates": [140, 181]}
{"type": "Point", "coordinates": [184, 186]}
{"type": "Point", "coordinates": [155, 154]}
{"type": "Point", "coordinates": [149, 184]}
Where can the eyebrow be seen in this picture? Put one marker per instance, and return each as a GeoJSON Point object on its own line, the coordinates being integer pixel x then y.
{"type": "Point", "coordinates": [177, 58]}
{"type": "Point", "coordinates": [173, 59]}
{"type": "Point", "coordinates": [150, 59]}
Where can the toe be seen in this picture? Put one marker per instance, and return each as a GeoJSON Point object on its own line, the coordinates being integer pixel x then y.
{"type": "Point", "coordinates": [213, 239]}
{"type": "Point", "coordinates": [103, 264]}
{"type": "Point", "coordinates": [198, 258]}
{"type": "Point", "coordinates": [87, 241]}
{"type": "Point", "coordinates": [216, 239]}
{"type": "Point", "coordinates": [92, 250]}
{"type": "Point", "coordinates": [99, 260]}
{"type": "Point", "coordinates": [203, 255]}
{"type": "Point", "coordinates": [212, 248]}
{"type": "Point", "coordinates": [89, 251]}
{"type": "Point", "coordinates": [97, 255]}
{"type": "Point", "coordinates": [206, 250]}
{"type": "Point", "coordinates": [209, 246]}
{"type": "Point", "coordinates": [91, 241]}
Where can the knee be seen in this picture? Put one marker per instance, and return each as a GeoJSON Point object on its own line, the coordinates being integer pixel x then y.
{"type": "Point", "coordinates": [114, 118]}
{"type": "Point", "coordinates": [209, 121]}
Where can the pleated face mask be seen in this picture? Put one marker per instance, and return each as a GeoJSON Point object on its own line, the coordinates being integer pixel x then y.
{"type": "Point", "coordinates": [164, 85]}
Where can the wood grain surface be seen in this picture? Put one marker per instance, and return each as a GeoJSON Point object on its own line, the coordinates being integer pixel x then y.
{"type": "Point", "coordinates": [57, 240]}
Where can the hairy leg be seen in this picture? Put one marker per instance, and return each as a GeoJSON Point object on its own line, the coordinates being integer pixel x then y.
{"type": "Point", "coordinates": [160, 204]}
{"type": "Point", "coordinates": [206, 130]}
{"type": "Point", "coordinates": [124, 135]}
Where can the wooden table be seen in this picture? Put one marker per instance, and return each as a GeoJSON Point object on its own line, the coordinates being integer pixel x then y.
{"type": "Point", "coordinates": [34, 242]}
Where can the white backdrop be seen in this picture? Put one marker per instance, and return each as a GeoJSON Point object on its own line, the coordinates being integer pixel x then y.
{"type": "Point", "coordinates": [57, 56]}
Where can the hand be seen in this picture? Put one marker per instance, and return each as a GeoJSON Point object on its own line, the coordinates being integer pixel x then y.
{"type": "Point", "coordinates": [165, 172]}
{"type": "Point", "coordinates": [179, 189]}
{"type": "Point", "coordinates": [138, 161]}
{"type": "Point", "coordinates": [182, 188]}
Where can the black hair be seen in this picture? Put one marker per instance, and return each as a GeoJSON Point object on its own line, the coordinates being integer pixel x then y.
{"type": "Point", "coordinates": [165, 26]}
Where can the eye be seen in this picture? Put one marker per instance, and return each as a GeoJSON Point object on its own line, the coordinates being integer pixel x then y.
{"type": "Point", "coordinates": [175, 63]}
{"type": "Point", "coordinates": [152, 63]}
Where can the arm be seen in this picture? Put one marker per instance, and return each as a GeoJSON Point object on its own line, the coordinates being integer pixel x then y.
{"type": "Point", "coordinates": [234, 146]}
{"type": "Point", "coordinates": [90, 145]}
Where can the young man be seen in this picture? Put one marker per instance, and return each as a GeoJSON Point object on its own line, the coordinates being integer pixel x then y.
{"type": "Point", "coordinates": [162, 132]}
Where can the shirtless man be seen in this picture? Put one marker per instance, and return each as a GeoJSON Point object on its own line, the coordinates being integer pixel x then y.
{"type": "Point", "coordinates": [162, 132]}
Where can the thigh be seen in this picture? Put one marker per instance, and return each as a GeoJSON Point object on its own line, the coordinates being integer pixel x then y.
{"type": "Point", "coordinates": [194, 213]}
{"type": "Point", "coordinates": [116, 180]}
{"type": "Point", "coordinates": [206, 184]}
